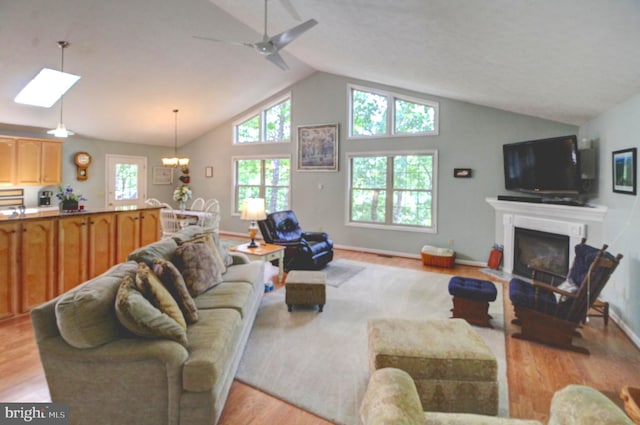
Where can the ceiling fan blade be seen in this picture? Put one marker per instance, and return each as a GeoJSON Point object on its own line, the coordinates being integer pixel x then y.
{"type": "Point", "coordinates": [217, 40]}
{"type": "Point", "coordinates": [288, 36]}
{"type": "Point", "coordinates": [277, 60]}
{"type": "Point", "coordinates": [292, 10]}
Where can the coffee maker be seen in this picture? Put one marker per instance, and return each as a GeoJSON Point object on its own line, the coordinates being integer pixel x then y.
{"type": "Point", "coordinates": [44, 198]}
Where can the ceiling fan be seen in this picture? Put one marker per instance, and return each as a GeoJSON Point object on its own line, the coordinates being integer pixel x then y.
{"type": "Point", "coordinates": [270, 47]}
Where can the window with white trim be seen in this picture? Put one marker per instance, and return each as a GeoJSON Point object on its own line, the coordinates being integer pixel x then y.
{"type": "Point", "coordinates": [376, 113]}
{"type": "Point", "coordinates": [267, 125]}
{"type": "Point", "coordinates": [393, 189]}
{"type": "Point", "coordinates": [262, 177]}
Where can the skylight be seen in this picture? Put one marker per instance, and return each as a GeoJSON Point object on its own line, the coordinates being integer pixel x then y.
{"type": "Point", "coordinates": [46, 88]}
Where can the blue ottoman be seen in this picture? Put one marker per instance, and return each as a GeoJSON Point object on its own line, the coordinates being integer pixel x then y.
{"type": "Point", "coordinates": [471, 298]}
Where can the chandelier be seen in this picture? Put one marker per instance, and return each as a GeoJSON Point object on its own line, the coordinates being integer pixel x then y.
{"type": "Point", "coordinates": [175, 161]}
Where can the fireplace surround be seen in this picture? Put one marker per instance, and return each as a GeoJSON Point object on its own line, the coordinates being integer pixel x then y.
{"type": "Point", "coordinates": [563, 221]}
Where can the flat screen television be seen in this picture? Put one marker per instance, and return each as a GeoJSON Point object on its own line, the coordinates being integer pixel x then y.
{"type": "Point", "coordinates": [545, 166]}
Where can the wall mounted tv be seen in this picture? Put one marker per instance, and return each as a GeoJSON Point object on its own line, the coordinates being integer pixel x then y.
{"type": "Point", "coordinates": [545, 166]}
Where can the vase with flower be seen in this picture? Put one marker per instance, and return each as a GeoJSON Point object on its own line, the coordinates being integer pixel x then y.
{"type": "Point", "coordinates": [69, 200]}
{"type": "Point", "coordinates": [181, 195]}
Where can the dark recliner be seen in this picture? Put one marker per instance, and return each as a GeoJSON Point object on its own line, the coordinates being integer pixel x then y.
{"type": "Point", "coordinates": [303, 250]}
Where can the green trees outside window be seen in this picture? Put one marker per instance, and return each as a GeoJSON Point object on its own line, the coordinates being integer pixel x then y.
{"type": "Point", "coordinates": [271, 124]}
{"type": "Point", "coordinates": [392, 189]}
{"type": "Point", "coordinates": [267, 178]}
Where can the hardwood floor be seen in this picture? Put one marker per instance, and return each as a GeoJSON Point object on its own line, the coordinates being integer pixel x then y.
{"type": "Point", "coordinates": [534, 371]}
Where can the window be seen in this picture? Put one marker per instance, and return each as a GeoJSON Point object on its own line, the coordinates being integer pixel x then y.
{"type": "Point", "coordinates": [382, 114]}
{"type": "Point", "coordinates": [262, 177]}
{"type": "Point", "coordinates": [393, 190]}
{"type": "Point", "coordinates": [270, 124]}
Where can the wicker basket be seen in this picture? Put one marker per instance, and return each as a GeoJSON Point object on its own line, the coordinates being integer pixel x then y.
{"type": "Point", "coordinates": [429, 258]}
{"type": "Point", "coordinates": [631, 398]}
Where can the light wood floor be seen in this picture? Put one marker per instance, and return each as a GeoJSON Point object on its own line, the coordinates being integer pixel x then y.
{"type": "Point", "coordinates": [535, 371]}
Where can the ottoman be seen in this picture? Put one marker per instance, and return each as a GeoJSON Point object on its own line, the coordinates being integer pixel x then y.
{"type": "Point", "coordinates": [304, 287]}
{"type": "Point", "coordinates": [453, 368]}
{"type": "Point", "coordinates": [471, 299]}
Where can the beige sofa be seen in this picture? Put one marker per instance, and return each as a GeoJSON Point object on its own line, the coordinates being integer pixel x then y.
{"type": "Point", "coordinates": [110, 376]}
{"type": "Point", "coordinates": [392, 399]}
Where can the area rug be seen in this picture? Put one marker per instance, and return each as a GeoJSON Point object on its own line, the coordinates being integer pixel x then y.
{"type": "Point", "coordinates": [340, 271]}
{"type": "Point", "coordinates": [319, 361]}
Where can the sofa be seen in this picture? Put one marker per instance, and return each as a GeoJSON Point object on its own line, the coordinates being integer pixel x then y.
{"type": "Point", "coordinates": [110, 374]}
{"type": "Point", "coordinates": [392, 399]}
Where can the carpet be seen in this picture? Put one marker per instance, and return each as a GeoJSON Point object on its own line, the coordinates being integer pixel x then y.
{"type": "Point", "coordinates": [340, 271]}
{"type": "Point", "coordinates": [319, 361]}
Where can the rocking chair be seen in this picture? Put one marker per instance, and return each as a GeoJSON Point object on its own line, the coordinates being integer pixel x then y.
{"type": "Point", "coordinates": [551, 312]}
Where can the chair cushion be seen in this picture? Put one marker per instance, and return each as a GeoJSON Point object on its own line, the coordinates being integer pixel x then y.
{"type": "Point", "coordinates": [472, 289]}
{"type": "Point", "coordinates": [523, 294]}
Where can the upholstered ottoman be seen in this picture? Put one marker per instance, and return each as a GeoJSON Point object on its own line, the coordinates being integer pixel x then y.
{"type": "Point", "coordinates": [471, 298]}
{"type": "Point", "coordinates": [453, 368]}
{"type": "Point", "coordinates": [304, 287]}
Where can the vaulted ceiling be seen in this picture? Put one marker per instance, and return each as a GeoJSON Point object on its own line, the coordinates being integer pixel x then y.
{"type": "Point", "coordinates": [565, 60]}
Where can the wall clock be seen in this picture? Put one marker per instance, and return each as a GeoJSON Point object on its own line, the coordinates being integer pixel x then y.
{"type": "Point", "coordinates": [82, 160]}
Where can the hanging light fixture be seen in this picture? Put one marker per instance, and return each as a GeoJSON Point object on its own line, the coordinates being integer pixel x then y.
{"type": "Point", "coordinates": [61, 130]}
{"type": "Point", "coordinates": [175, 161]}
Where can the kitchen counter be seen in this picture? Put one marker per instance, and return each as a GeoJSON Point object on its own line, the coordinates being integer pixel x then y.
{"type": "Point", "coordinates": [53, 212]}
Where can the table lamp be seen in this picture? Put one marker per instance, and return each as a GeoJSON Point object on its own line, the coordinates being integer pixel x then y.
{"type": "Point", "coordinates": [253, 210]}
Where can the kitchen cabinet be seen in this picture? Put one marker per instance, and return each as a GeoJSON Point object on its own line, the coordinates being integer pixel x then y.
{"type": "Point", "coordinates": [127, 234]}
{"type": "Point", "coordinates": [7, 161]}
{"type": "Point", "coordinates": [39, 162]}
{"type": "Point", "coordinates": [9, 269]}
{"type": "Point", "coordinates": [45, 254]}
{"type": "Point", "coordinates": [102, 243]}
{"type": "Point", "coordinates": [149, 226]}
{"type": "Point", "coordinates": [72, 252]}
{"type": "Point", "coordinates": [36, 261]}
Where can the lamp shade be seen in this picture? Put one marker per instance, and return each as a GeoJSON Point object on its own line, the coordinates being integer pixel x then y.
{"type": "Point", "coordinates": [253, 209]}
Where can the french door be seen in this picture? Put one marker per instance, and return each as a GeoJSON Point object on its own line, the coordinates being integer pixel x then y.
{"type": "Point", "coordinates": [126, 181]}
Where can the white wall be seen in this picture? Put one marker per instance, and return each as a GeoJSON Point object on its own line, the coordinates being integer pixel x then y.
{"type": "Point", "coordinates": [619, 128]}
{"type": "Point", "coordinates": [470, 136]}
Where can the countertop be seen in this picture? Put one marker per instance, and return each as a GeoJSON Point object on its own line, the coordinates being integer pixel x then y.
{"type": "Point", "coordinates": [53, 212]}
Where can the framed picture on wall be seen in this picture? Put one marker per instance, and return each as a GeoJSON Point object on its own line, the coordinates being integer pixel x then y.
{"type": "Point", "coordinates": [318, 147]}
{"type": "Point", "coordinates": [162, 175]}
{"type": "Point", "coordinates": [624, 171]}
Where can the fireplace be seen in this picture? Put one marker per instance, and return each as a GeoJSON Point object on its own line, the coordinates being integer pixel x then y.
{"type": "Point", "coordinates": [549, 251]}
{"type": "Point", "coordinates": [562, 220]}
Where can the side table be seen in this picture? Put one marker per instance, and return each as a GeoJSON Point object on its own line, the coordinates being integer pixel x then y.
{"type": "Point", "coordinates": [266, 252]}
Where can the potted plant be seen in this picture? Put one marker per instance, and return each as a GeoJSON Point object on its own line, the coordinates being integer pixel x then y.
{"type": "Point", "coordinates": [69, 201]}
{"type": "Point", "coordinates": [181, 195]}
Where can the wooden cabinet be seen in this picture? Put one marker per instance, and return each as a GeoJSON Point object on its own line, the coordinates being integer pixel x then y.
{"type": "Point", "coordinates": [127, 233]}
{"type": "Point", "coordinates": [7, 161]}
{"type": "Point", "coordinates": [149, 226]}
{"type": "Point", "coordinates": [51, 163]}
{"type": "Point", "coordinates": [42, 257]}
{"type": "Point", "coordinates": [36, 262]}
{"type": "Point", "coordinates": [39, 162]}
{"type": "Point", "coordinates": [102, 246]}
{"type": "Point", "coordinates": [72, 252]}
{"type": "Point", "coordinates": [9, 269]}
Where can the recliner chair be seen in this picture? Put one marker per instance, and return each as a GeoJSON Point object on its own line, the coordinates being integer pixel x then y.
{"type": "Point", "coordinates": [303, 250]}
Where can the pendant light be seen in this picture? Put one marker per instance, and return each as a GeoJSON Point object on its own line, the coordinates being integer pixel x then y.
{"type": "Point", "coordinates": [175, 160]}
{"type": "Point", "coordinates": [61, 130]}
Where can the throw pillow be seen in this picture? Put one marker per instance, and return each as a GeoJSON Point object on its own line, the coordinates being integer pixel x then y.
{"type": "Point", "coordinates": [209, 242]}
{"type": "Point", "coordinates": [198, 267]}
{"type": "Point", "coordinates": [569, 286]}
{"type": "Point", "coordinates": [140, 317]}
{"type": "Point", "coordinates": [173, 281]}
{"type": "Point", "coordinates": [153, 290]}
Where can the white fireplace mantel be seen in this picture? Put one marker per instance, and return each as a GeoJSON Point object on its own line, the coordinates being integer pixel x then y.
{"type": "Point", "coordinates": [574, 222]}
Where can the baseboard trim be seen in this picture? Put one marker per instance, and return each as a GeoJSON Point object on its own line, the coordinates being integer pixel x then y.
{"type": "Point", "coordinates": [625, 328]}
